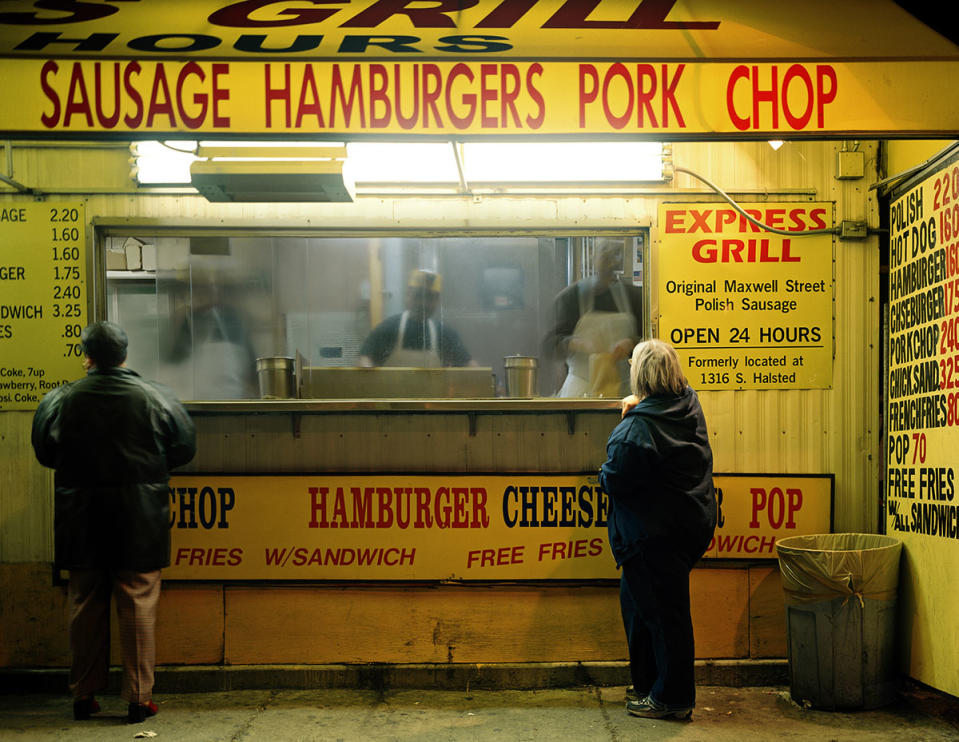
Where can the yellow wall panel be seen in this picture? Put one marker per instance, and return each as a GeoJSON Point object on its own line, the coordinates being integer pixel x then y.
{"type": "Point", "coordinates": [26, 494]}
{"type": "Point", "coordinates": [464, 624]}
{"type": "Point", "coordinates": [767, 613]}
{"type": "Point", "coordinates": [33, 617]}
{"type": "Point", "coordinates": [190, 625]}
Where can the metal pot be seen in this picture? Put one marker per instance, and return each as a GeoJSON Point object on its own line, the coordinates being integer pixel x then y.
{"type": "Point", "coordinates": [276, 376]}
{"type": "Point", "coordinates": [520, 376]}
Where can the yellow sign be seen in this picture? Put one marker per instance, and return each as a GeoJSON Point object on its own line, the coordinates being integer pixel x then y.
{"type": "Point", "coordinates": [415, 527]}
{"type": "Point", "coordinates": [43, 298]}
{"type": "Point", "coordinates": [444, 99]}
{"type": "Point", "coordinates": [755, 510]}
{"type": "Point", "coordinates": [923, 384]}
{"type": "Point", "coordinates": [747, 308]}
{"type": "Point", "coordinates": [531, 29]}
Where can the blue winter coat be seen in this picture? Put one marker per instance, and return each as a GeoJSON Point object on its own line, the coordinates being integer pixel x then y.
{"type": "Point", "coordinates": [659, 477]}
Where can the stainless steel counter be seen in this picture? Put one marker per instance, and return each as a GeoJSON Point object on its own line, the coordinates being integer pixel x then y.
{"type": "Point", "coordinates": [472, 408]}
{"type": "Point", "coordinates": [534, 405]}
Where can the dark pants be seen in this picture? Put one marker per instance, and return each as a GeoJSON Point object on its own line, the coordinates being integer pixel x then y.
{"type": "Point", "coordinates": [654, 597]}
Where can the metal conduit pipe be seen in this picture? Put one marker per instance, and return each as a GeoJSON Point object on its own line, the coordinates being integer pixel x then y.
{"type": "Point", "coordinates": [753, 220]}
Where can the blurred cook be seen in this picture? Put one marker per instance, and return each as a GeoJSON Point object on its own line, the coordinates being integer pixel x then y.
{"type": "Point", "coordinates": [413, 338]}
{"type": "Point", "coordinates": [598, 322]}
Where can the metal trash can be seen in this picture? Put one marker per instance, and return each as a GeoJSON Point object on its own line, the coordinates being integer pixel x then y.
{"type": "Point", "coordinates": [841, 591]}
{"type": "Point", "coordinates": [276, 376]}
{"type": "Point", "coordinates": [520, 376]}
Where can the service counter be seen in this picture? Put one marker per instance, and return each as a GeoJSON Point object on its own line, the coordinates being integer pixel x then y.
{"type": "Point", "coordinates": [469, 410]}
{"type": "Point", "coordinates": [420, 616]}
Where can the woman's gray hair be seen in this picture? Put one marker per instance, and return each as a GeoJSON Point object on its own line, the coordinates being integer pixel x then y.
{"type": "Point", "coordinates": [655, 370]}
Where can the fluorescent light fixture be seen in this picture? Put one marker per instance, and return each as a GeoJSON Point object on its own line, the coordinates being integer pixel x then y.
{"type": "Point", "coordinates": [776, 144]}
{"type": "Point", "coordinates": [258, 174]}
{"type": "Point", "coordinates": [401, 162]}
{"type": "Point", "coordinates": [431, 162]}
{"type": "Point", "coordinates": [563, 162]}
{"type": "Point", "coordinates": [167, 163]}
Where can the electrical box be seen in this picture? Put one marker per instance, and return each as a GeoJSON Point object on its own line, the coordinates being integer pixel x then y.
{"type": "Point", "coordinates": [850, 165]}
{"type": "Point", "coordinates": [852, 230]}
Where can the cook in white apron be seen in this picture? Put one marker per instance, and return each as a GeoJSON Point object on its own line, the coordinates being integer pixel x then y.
{"type": "Point", "coordinates": [222, 368]}
{"type": "Point", "coordinates": [599, 332]}
{"type": "Point", "coordinates": [428, 357]}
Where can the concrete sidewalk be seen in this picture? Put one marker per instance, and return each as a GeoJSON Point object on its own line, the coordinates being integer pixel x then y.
{"type": "Point", "coordinates": [583, 714]}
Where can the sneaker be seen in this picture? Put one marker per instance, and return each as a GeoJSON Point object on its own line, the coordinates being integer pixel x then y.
{"type": "Point", "coordinates": [83, 707]}
{"type": "Point", "coordinates": [631, 694]}
{"type": "Point", "coordinates": [137, 712]}
{"type": "Point", "coordinates": [650, 709]}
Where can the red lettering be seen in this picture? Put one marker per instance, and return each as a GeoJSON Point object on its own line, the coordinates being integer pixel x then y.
{"type": "Point", "coordinates": [618, 70]}
{"type": "Point", "coordinates": [501, 557]}
{"type": "Point", "coordinates": [675, 222]}
{"type": "Point", "coordinates": [534, 122]}
{"type": "Point", "coordinates": [77, 97]}
{"type": "Point", "coordinates": [509, 92]}
{"type": "Point", "coordinates": [379, 87]}
{"type": "Point", "coordinates": [488, 94]}
{"type": "Point", "coordinates": [52, 119]}
{"type": "Point", "coordinates": [725, 217]}
{"type": "Point", "coordinates": [765, 96]}
{"type": "Point", "coordinates": [407, 122]}
{"type": "Point", "coordinates": [788, 257]}
{"type": "Point", "coordinates": [160, 99]}
{"type": "Point", "coordinates": [133, 69]}
{"type": "Point", "coordinates": [192, 122]}
{"type": "Point", "coordinates": [423, 517]}
{"type": "Point", "coordinates": [587, 73]}
{"type": "Point", "coordinates": [460, 122]}
{"type": "Point", "coordinates": [219, 94]}
{"type": "Point", "coordinates": [282, 93]}
{"type": "Point", "coordinates": [797, 104]}
{"type": "Point", "coordinates": [797, 71]}
{"type": "Point", "coordinates": [304, 107]}
{"type": "Point", "coordinates": [107, 122]}
{"type": "Point", "coordinates": [824, 73]}
{"type": "Point", "coordinates": [384, 497]}
{"type": "Point", "coordinates": [431, 74]}
{"type": "Point", "coordinates": [699, 220]}
{"type": "Point", "coordinates": [669, 96]}
{"type": "Point", "coordinates": [460, 498]}
{"type": "Point", "coordinates": [817, 216]}
{"type": "Point", "coordinates": [740, 72]}
{"type": "Point", "coordinates": [795, 503]}
{"type": "Point", "coordinates": [645, 97]}
{"type": "Point", "coordinates": [318, 505]}
{"type": "Point", "coordinates": [355, 96]}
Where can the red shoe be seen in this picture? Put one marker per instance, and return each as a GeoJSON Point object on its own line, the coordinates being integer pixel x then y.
{"type": "Point", "coordinates": [137, 712]}
{"type": "Point", "coordinates": [83, 707]}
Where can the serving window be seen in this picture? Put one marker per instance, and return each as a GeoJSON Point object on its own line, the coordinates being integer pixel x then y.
{"type": "Point", "coordinates": [201, 309]}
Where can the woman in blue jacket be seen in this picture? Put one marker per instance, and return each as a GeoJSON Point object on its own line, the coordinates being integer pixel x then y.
{"type": "Point", "coordinates": [658, 476]}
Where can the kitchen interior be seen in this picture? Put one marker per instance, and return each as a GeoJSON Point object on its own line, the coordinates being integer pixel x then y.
{"type": "Point", "coordinates": [201, 309]}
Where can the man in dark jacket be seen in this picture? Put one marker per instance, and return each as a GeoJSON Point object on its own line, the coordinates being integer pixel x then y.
{"type": "Point", "coordinates": [658, 475]}
{"type": "Point", "coordinates": [112, 438]}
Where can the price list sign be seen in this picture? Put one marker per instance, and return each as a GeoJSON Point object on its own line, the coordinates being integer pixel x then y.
{"type": "Point", "coordinates": [923, 382]}
{"type": "Point", "coordinates": [43, 299]}
{"type": "Point", "coordinates": [745, 307]}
